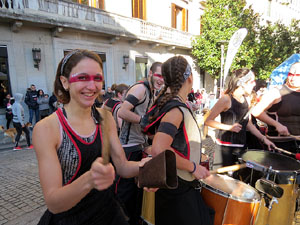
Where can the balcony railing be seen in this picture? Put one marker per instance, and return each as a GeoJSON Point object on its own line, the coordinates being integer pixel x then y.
{"type": "Point", "coordinates": [77, 16]}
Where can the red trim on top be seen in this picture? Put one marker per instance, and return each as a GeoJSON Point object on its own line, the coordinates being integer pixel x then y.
{"type": "Point", "coordinates": [148, 126]}
{"type": "Point", "coordinates": [72, 131]}
{"type": "Point", "coordinates": [151, 108]}
{"type": "Point", "coordinates": [179, 153]}
{"type": "Point", "coordinates": [105, 102]}
{"type": "Point", "coordinates": [115, 106]}
{"type": "Point", "coordinates": [61, 117]}
{"type": "Point", "coordinates": [187, 142]}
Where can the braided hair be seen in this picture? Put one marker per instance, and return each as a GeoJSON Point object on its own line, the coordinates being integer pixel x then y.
{"type": "Point", "coordinates": [173, 73]}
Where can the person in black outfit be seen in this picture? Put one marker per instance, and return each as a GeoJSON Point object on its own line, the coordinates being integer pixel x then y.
{"type": "Point", "coordinates": [7, 103]}
{"type": "Point", "coordinates": [75, 172]}
{"type": "Point", "coordinates": [177, 130]}
{"type": "Point", "coordinates": [31, 101]}
{"type": "Point", "coordinates": [233, 108]}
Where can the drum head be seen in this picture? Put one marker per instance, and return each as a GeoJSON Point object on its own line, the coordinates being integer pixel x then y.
{"type": "Point", "coordinates": [231, 188]}
{"type": "Point", "coordinates": [267, 159]}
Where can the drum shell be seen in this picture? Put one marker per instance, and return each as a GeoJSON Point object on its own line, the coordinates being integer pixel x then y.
{"type": "Point", "coordinates": [230, 209]}
{"type": "Point", "coordinates": [279, 168]}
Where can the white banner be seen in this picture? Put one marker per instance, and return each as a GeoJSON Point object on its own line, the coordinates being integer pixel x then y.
{"type": "Point", "coordinates": [234, 44]}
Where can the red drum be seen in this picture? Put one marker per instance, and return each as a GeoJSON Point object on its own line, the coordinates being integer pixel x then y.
{"type": "Point", "coordinates": [204, 161]}
{"type": "Point", "coordinates": [234, 202]}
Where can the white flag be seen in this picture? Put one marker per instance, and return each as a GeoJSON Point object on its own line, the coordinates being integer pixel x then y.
{"type": "Point", "coordinates": [234, 44]}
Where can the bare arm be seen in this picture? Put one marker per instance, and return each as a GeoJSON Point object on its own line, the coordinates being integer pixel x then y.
{"type": "Point", "coordinates": [270, 98]}
{"type": "Point", "coordinates": [163, 141]}
{"type": "Point", "coordinates": [125, 111]}
{"type": "Point", "coordinates": [61, 198]}
{"type": "Point", "coordinates": [261, 137]}
{"type": "Point", "coordinates": [124, 167]}
{"type": "Point", "coordinates": [222, 105]}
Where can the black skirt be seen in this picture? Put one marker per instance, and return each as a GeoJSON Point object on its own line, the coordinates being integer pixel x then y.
{"type": "Point", "coordinates": [182, 206]}
{"type": "Point", "coordinates": [97, 208]}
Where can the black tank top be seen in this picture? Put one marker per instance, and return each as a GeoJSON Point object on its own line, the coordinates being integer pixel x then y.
{"type": "Point", "coordinates": [235, 114]}
{"type": "Point", "coordinates": [287, 110]}
{"type": "Point", "coordinates": [97, 207]}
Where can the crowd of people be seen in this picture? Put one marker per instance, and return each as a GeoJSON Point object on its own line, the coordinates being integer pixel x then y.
{"type": "Point", "coordinates": [90, 143]}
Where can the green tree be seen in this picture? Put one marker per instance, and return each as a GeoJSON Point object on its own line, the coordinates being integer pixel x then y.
{"type": "Point", "coordinates": [263, 49]}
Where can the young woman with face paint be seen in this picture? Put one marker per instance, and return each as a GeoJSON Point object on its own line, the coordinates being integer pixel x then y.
{"type": "Point", "coordinates": [77, 186]}
{"type": "Point", "coordinates": [233, 108]}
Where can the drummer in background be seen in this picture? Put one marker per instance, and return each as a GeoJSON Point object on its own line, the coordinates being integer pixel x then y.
{"type": "Point", "coordinates": [280, 109]}
{"type": "Point", "coordinates": [233, 108]}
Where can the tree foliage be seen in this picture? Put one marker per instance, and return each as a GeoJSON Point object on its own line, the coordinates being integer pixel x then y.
{"type": "Point", "coordinates": [264, 48]}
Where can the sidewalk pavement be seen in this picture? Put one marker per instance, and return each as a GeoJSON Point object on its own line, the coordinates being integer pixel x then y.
{"type": "Point", "coordinates": [21, 198]}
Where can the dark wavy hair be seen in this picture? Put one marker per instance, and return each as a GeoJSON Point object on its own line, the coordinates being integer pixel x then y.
{"type": "Point", "coordinates": [68, 63]}
{"type": "Point", "coordinates": [234, 78]}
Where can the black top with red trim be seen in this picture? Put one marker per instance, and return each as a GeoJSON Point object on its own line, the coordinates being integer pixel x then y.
{"type": "Point", "coordinates": [112, 103]}
{"type": "Point", "coordinates": [97, 207]}
{"type": "Point", "coordinates": [179, 143]}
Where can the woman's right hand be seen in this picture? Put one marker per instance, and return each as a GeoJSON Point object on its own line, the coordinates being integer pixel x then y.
{"type": "Point", "coordinates": [236, 128]}
{"type": "Point", "coordinates": [201, 172]}
{"type": "Point", "coordinates": [102, 175]}
{"type": "Point", "coordinates": [282, 130]}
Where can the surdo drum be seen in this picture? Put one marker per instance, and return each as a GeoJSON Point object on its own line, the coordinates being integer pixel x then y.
{"type": "Point", "coordinates": [284, 171]}
{"type": "Point", "coordinates": [234, 202]}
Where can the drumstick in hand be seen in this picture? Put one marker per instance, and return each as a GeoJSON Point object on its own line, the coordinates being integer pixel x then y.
{"type": "Point", "coordinates": [297, 156]}
{"type": "Point", "coordinates": [105, 134]}
{"type": "Point", "coordinates": [229, 168]}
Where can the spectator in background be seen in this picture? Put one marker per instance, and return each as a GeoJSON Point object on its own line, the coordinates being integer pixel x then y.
{"type": "Point", "coordinates": [43, 101]}
{"type": "Point", "coordinates": [52, 103]}
{"type": "Point", "coordinates": [108, 94]}
{"type": "Point", "coordinates": [31, 102]}
{"type": "Point", "coordinates": [7, 103]}
{"type": "Point", "coordinates": [191, 96]}
{"type": "Point", "coordinates": [19, 121]}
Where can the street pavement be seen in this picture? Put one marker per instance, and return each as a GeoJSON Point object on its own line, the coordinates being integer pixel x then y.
{"type": "Point", "coordinates": [21, 198]}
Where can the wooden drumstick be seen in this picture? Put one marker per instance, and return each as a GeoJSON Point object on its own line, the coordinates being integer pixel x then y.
{"type": "Point", "coordinates": [105, 134]}
{"type": "Point", "coordinates": [229, 168]}
{"type": "Point", "coordinates": [297, 156]}
{"type": "Point", "coordinates": [295, 137]}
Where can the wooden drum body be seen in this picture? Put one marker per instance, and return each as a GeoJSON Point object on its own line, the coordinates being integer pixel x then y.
{"type": "Point", "coordinates": [234, 202]}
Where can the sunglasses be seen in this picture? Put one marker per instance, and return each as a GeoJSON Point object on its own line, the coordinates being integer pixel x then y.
{"type": "Point", "coordinates": [293, 74]}
{"type": "Point", "coordinates": [78, 77]}
{"type": "Point", "coordinates": [158, 75]}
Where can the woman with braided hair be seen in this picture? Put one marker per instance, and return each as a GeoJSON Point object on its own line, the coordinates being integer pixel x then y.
{"type": "Point", "coordinates": [176, 129]}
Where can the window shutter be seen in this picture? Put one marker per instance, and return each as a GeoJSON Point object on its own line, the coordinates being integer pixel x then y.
{"type": "Point", "coordinates": [173, 16]}
{"type": "Point", "coordinates": [135, 8]}
{"type": "Point", "coordinates": [183, 20]}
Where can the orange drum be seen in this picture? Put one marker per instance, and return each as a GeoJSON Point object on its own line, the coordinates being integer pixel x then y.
{"type": "Point", "coordinates": [204, 161]}
{"type": "Point", "coordinates": [234, 202]}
